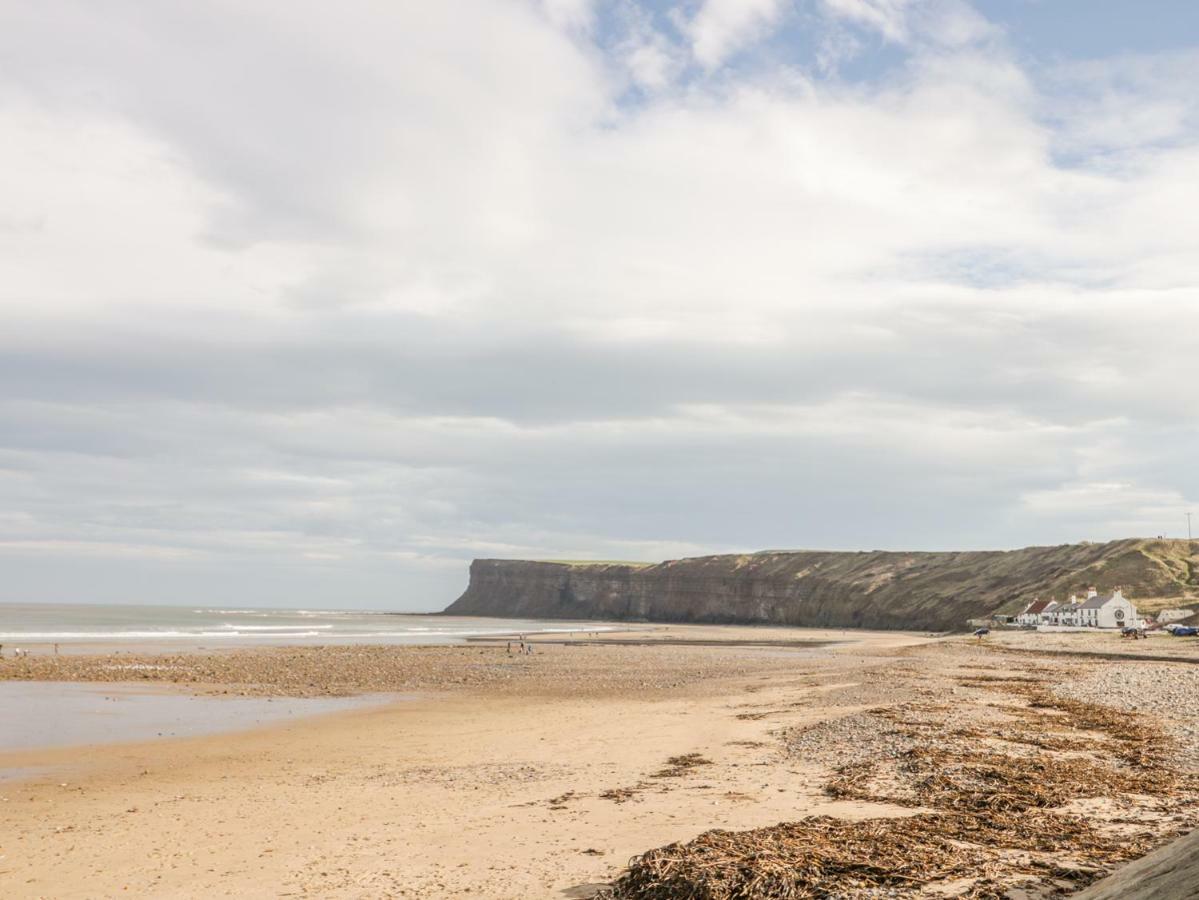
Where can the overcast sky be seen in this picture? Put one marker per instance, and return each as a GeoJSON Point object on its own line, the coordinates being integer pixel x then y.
{"type": "Point", "coordinates": [308, 304]}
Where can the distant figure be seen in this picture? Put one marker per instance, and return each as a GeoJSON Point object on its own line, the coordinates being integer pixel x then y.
{"type": "Point", "coordinates": [56, 649]}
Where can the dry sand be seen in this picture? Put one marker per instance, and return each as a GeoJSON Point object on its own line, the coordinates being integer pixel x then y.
{"type": "Point", "coordinates": [507, 777]}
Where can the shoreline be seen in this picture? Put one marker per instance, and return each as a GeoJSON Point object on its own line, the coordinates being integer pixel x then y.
{"type": "Point", "coordinates": [525, 777]}
{"type": "Point", "coordinates": [609, 633]}
{"type": "Point", "coordinates": [77, 646]}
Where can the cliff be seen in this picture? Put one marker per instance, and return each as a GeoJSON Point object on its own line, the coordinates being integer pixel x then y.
{"type": "Point", "coordinates": [876, 589]}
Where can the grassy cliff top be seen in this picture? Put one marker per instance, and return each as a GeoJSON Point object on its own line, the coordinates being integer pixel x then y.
{"type": "Point", "coordinates": [1156, 573]}
{"type": "Point", "coordinates": [596, 562]}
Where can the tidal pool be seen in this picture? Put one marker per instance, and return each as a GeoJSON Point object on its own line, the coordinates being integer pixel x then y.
{"type": "Point", "coordinates": [43, 714]}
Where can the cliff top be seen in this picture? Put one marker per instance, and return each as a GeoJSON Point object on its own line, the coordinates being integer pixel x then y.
{"type": "Point", "coordinates": [868, 588]}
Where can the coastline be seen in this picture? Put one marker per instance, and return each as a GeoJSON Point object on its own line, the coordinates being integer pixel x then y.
{"type": "Point", "coordinates": [143, 644]}
{"type": "Point", "coordinates": [504, 777]}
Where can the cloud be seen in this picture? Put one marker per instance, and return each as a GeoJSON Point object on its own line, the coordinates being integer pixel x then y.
{"type": "Point", "coordinates": [576, 15]}
{"type": "Point", "coordinates": [318, 307]}
{"type": "Point", "coordinates": [1120, 107]}
{"type": "Point", "coordinates": [946, 24]}
{"type": "Point", "coordinates": [720, 28]}
{"type": "Point", "coordinates": [888, 17]}
{"type": "Point", "coordinates": [654, 61]}
{"type": "Point", "coordinates": [1137, 510]}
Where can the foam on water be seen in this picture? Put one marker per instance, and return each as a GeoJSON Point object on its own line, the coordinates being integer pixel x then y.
{"type": "Point", "coordinates": [77, 623]}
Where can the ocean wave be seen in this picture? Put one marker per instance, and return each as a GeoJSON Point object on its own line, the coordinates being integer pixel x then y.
{"type": "Point", "coordinates": [284, 633]}
{"type": "Point", "coordinates": [284, 629]}
{"type": "Point", "coordinates": [303, 613]}
{"type": "Point", "coordinates": [43, 636]}
{"type": "Point", "coordinates": [335, 612]}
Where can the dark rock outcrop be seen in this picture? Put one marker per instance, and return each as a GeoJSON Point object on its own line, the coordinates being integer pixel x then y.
{"type": "Point", "coordinates": [876, 589]}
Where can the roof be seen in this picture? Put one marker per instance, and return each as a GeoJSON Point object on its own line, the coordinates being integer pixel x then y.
{"type": "Point", "coordinates": [1037, 606]}
{"type": "Point", "coordinates": [1099, 600]}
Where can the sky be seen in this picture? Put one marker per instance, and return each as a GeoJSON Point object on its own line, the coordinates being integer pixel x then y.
{"type": "Point", "coordinates": [308, 304]}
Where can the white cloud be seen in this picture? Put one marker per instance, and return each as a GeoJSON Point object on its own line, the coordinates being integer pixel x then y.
{"type": "Point", "coordinates": [1123, 105]}
{"type": "Point", "coordinates": [1125, 507]}
{"type": "Point", "coordinates": [888, 17]}
{"type": "Point", "coordinates": [393, 286]}
{"type": "Point", "coordinates": [946, 23]}
{"type": "Point", "coordinates": [574, 15]}
{"type": "Point", "coordinates": [722, 27]}
{"type": "Point", "coordinates": [954, 23]}
{"type": "Point", "coordinates": [652, 61]}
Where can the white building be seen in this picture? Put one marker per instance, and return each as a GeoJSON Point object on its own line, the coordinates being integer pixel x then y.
{"type": "Point", "coordinates": [1112, 610]}
{"type": "Point", "coordinates": [1173, 615]}
{"type": "Point", "coordinates": [1036, 613]}
{"type": "Point", "coordinates": [1064, 614]}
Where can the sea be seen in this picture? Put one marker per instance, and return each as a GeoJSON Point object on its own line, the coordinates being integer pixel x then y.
{"type": "Point", "coordinates": [216, 627]}
{"type": "Point", "coordinates": [57, 714]}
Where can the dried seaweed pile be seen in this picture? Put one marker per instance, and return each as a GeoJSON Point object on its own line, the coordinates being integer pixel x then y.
{"type": "Point", "coordinates": [677, 766]}
{"type": "Point", "coordinates": [797, 860]}
{"type": "Point", "coordinates": [992, 816]}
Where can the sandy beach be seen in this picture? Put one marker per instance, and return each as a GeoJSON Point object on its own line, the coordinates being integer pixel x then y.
{"type": "Point", "coordinates": [542, 775]}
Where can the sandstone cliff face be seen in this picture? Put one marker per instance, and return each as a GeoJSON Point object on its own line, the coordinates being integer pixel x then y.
{"type": "Point", "coordinates": [817, 588]}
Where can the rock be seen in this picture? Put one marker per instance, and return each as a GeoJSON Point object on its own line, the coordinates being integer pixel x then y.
{"type": "Point", "coordinates": [874, 589]}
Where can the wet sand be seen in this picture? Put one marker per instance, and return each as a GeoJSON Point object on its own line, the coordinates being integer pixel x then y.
{"type": "Point", "coordinates": [44, 714]}
{"type": "Point", "coordinates": [509, 777]}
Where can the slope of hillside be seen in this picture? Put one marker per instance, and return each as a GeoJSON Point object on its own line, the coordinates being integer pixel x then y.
{"type": "Point", "coordinates": [875, 589]}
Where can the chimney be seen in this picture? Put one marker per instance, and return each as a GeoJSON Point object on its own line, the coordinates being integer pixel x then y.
{"type": "Point", "coordinates": [1091, 592]}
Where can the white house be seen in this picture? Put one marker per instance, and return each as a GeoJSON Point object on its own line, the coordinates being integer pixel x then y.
{"type": "Point", "coordinates": [1112, 610]}
{"type": "Point", "coordinates": [1066, 614]}
{"type": "Point", "coordinates": [1034, 613]}
{"type": "Point", "coordinates": [1173, 615]}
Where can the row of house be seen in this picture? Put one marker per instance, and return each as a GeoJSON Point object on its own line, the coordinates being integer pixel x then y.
{"type": "Point", "coordinates": [1095, 610]}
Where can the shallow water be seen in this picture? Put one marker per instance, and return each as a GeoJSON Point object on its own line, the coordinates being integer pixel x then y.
{"type": "Point", "coordinates": [42, 714]}
{"type": "Point", "coordinates": [41, 625]}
